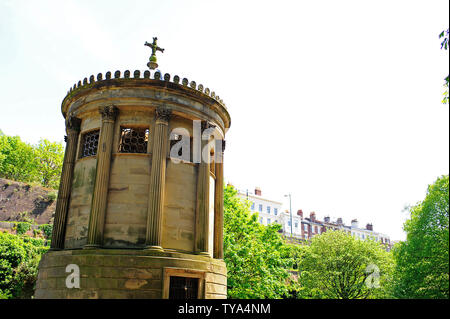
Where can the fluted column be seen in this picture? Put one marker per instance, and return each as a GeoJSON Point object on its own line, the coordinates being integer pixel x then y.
{"type": "Point", "coordinates": [157, 180]}
{"type": "Point", "coordinates": [65, 185]}
{"type": "Point", "coordinates": [218, 201]}
{"type": "Point", "coordinates": [202, 209]}
{"type": "Point", "coordinates": [100, 195]}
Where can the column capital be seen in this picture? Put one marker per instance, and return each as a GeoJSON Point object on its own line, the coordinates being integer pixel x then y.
{"type": "Point", "coordinates": [109, 112]}
{"type": "Point", "coordinates": [163, 114]}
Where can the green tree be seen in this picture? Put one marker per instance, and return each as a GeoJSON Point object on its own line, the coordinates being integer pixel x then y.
{"type": "Point", "coordinates": [50, 157]}
{"type": "Point", "coordinates": [422, 261]}
{"type": "Point", "coordinates": [26, 163]}
{"type": "Point", "coordinates": [256, 256]}
{"type": "Point", "coordinates": [17, 159]}
{"type": "Point", "coordinates": [339, 266]}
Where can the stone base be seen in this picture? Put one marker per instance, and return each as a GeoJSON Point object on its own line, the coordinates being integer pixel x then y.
{"type": "Point", "coordinates": [125, 274]}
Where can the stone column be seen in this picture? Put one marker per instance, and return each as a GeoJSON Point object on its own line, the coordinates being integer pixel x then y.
{"type": "Point", "coordinates": [218, 201]}
{"type": "Point", "coordinates": [202, 209]}
{"type": "Point", "coordinates": [99, 198]}
{"type": "Point", "coordinates": [65, 185]}
{"type": "Point", "coordinates": [157, 180]}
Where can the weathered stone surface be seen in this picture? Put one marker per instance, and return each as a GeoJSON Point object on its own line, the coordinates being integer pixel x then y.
{"type": "Point", "coordinates": [122, 274]}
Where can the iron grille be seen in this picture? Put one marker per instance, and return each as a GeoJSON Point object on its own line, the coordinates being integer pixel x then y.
{"type": "Point", "coordinates": [183, 288]}
{"type": "Point", "coordinates": [133, 140]}
{"type": "Point", "coordinates": [90, 143]}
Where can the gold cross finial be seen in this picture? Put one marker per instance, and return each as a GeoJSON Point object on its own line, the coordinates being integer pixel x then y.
{"type": "Point", "coordinates": [152, 64]}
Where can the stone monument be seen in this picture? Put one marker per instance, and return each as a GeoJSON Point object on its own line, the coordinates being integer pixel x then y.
{"type": "Point", "coordinates": [140, 205]}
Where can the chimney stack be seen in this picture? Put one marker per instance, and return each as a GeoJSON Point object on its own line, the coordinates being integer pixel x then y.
{"type": "Point", "coordinates": [300, 213]}
{"type": "Point", "coordinates": [257, 191]}
{"type": "Point", "coordinates": [369, 227]}
{"type": "Point", "coordinates": [312, 216]}
{"type": "Point", "coordinates": [355, 223]}
{"type": "Point", "coordinates": [339, 221]}
{"type": "Point", "coordinates": [326, 219]}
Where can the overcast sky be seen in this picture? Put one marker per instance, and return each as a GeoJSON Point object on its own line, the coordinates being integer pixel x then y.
{"type": "Point", "coordinates": [336, 102]}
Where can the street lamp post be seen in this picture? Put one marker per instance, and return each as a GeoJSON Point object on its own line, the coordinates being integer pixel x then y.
{"type": "Point", "coordinates": [290, 209]}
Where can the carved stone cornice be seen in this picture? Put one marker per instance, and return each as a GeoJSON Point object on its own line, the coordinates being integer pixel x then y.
{"type": "Point", "coordinates": [109, 112]}
{"type": "Point", "coordinates": [163, 114]}
{"type": "Point", "coordinates": [73, 123]}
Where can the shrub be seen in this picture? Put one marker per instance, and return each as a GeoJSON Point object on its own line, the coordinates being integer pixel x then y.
{"type": "Point", "coordinates": [19, 261]}
{"type": "Point", "coordinates": [22, 227]}
{"type": "Point", "coordinates": [47, 229]}
{"type": "Point", "coordinates": [52, 196]}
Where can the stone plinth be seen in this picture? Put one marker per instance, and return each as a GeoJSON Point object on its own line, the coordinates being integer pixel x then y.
{"type": "Point", "coordinates": [126, 274]}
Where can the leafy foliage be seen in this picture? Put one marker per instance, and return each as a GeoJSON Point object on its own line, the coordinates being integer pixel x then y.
{"type": "Point", "coordinates": [52, 196]}
{"type": "Point", "coordinates": [422, 262]}
{"type": "Point", "coordinates": [26, 163]}
{"type": "Point", "coordinates": [339, 266]}
{"type": "Point", "coordinates": [17, 160]}
{"type": "Point", "coordinates": [22, 227]}
{"type": "Point", "coordinates": [47, 229]}
{"type": "Point", "coordinates": [257, 257]}
{"type": "Point", "coordinates": [19, 259]}
{"type": "Point", "coordinates": [50, 156]}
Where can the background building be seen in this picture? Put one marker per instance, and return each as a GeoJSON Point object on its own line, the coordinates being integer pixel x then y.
{"type": "Point", "coordinates": [271, 211]}
{"type": "Point", "coordinates": [302, 227]}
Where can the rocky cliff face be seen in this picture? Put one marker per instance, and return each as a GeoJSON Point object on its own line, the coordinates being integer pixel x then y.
{"type": "Point", "coordinates": [25, 202]}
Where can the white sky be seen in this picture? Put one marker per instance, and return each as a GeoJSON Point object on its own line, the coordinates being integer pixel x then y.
{"type": "Point", "coordinates": [337, 102]}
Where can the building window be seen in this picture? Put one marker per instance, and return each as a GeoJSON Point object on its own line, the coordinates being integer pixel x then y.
{"type": "Point", "coordinates": [296, 225]}
{"type": "Point", "coordinates": [260, 207]}
{"type": "Point", "coordinates": [268, 209]}
{"type": "Point", "coordinates": [133, 140]}
{"type": "Point", "coordinates": [183, 288]}
{"type": "Point", "coordinates": [90, 143]}
{"type": "Point", "coordinates": [362, 236]}
{"type": "Point", "coordinates": [305, 227]}
{"type": "Point", "coordinates": [261, 220]}
{"type": "Point", "coordinates": [268, 221]}
{"type": "Point", "coordinates": [289, 223]}
{"type": "Point", "coordinates": [253, 206]}
{"type": "Point", "coordinates": [275, 211]}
